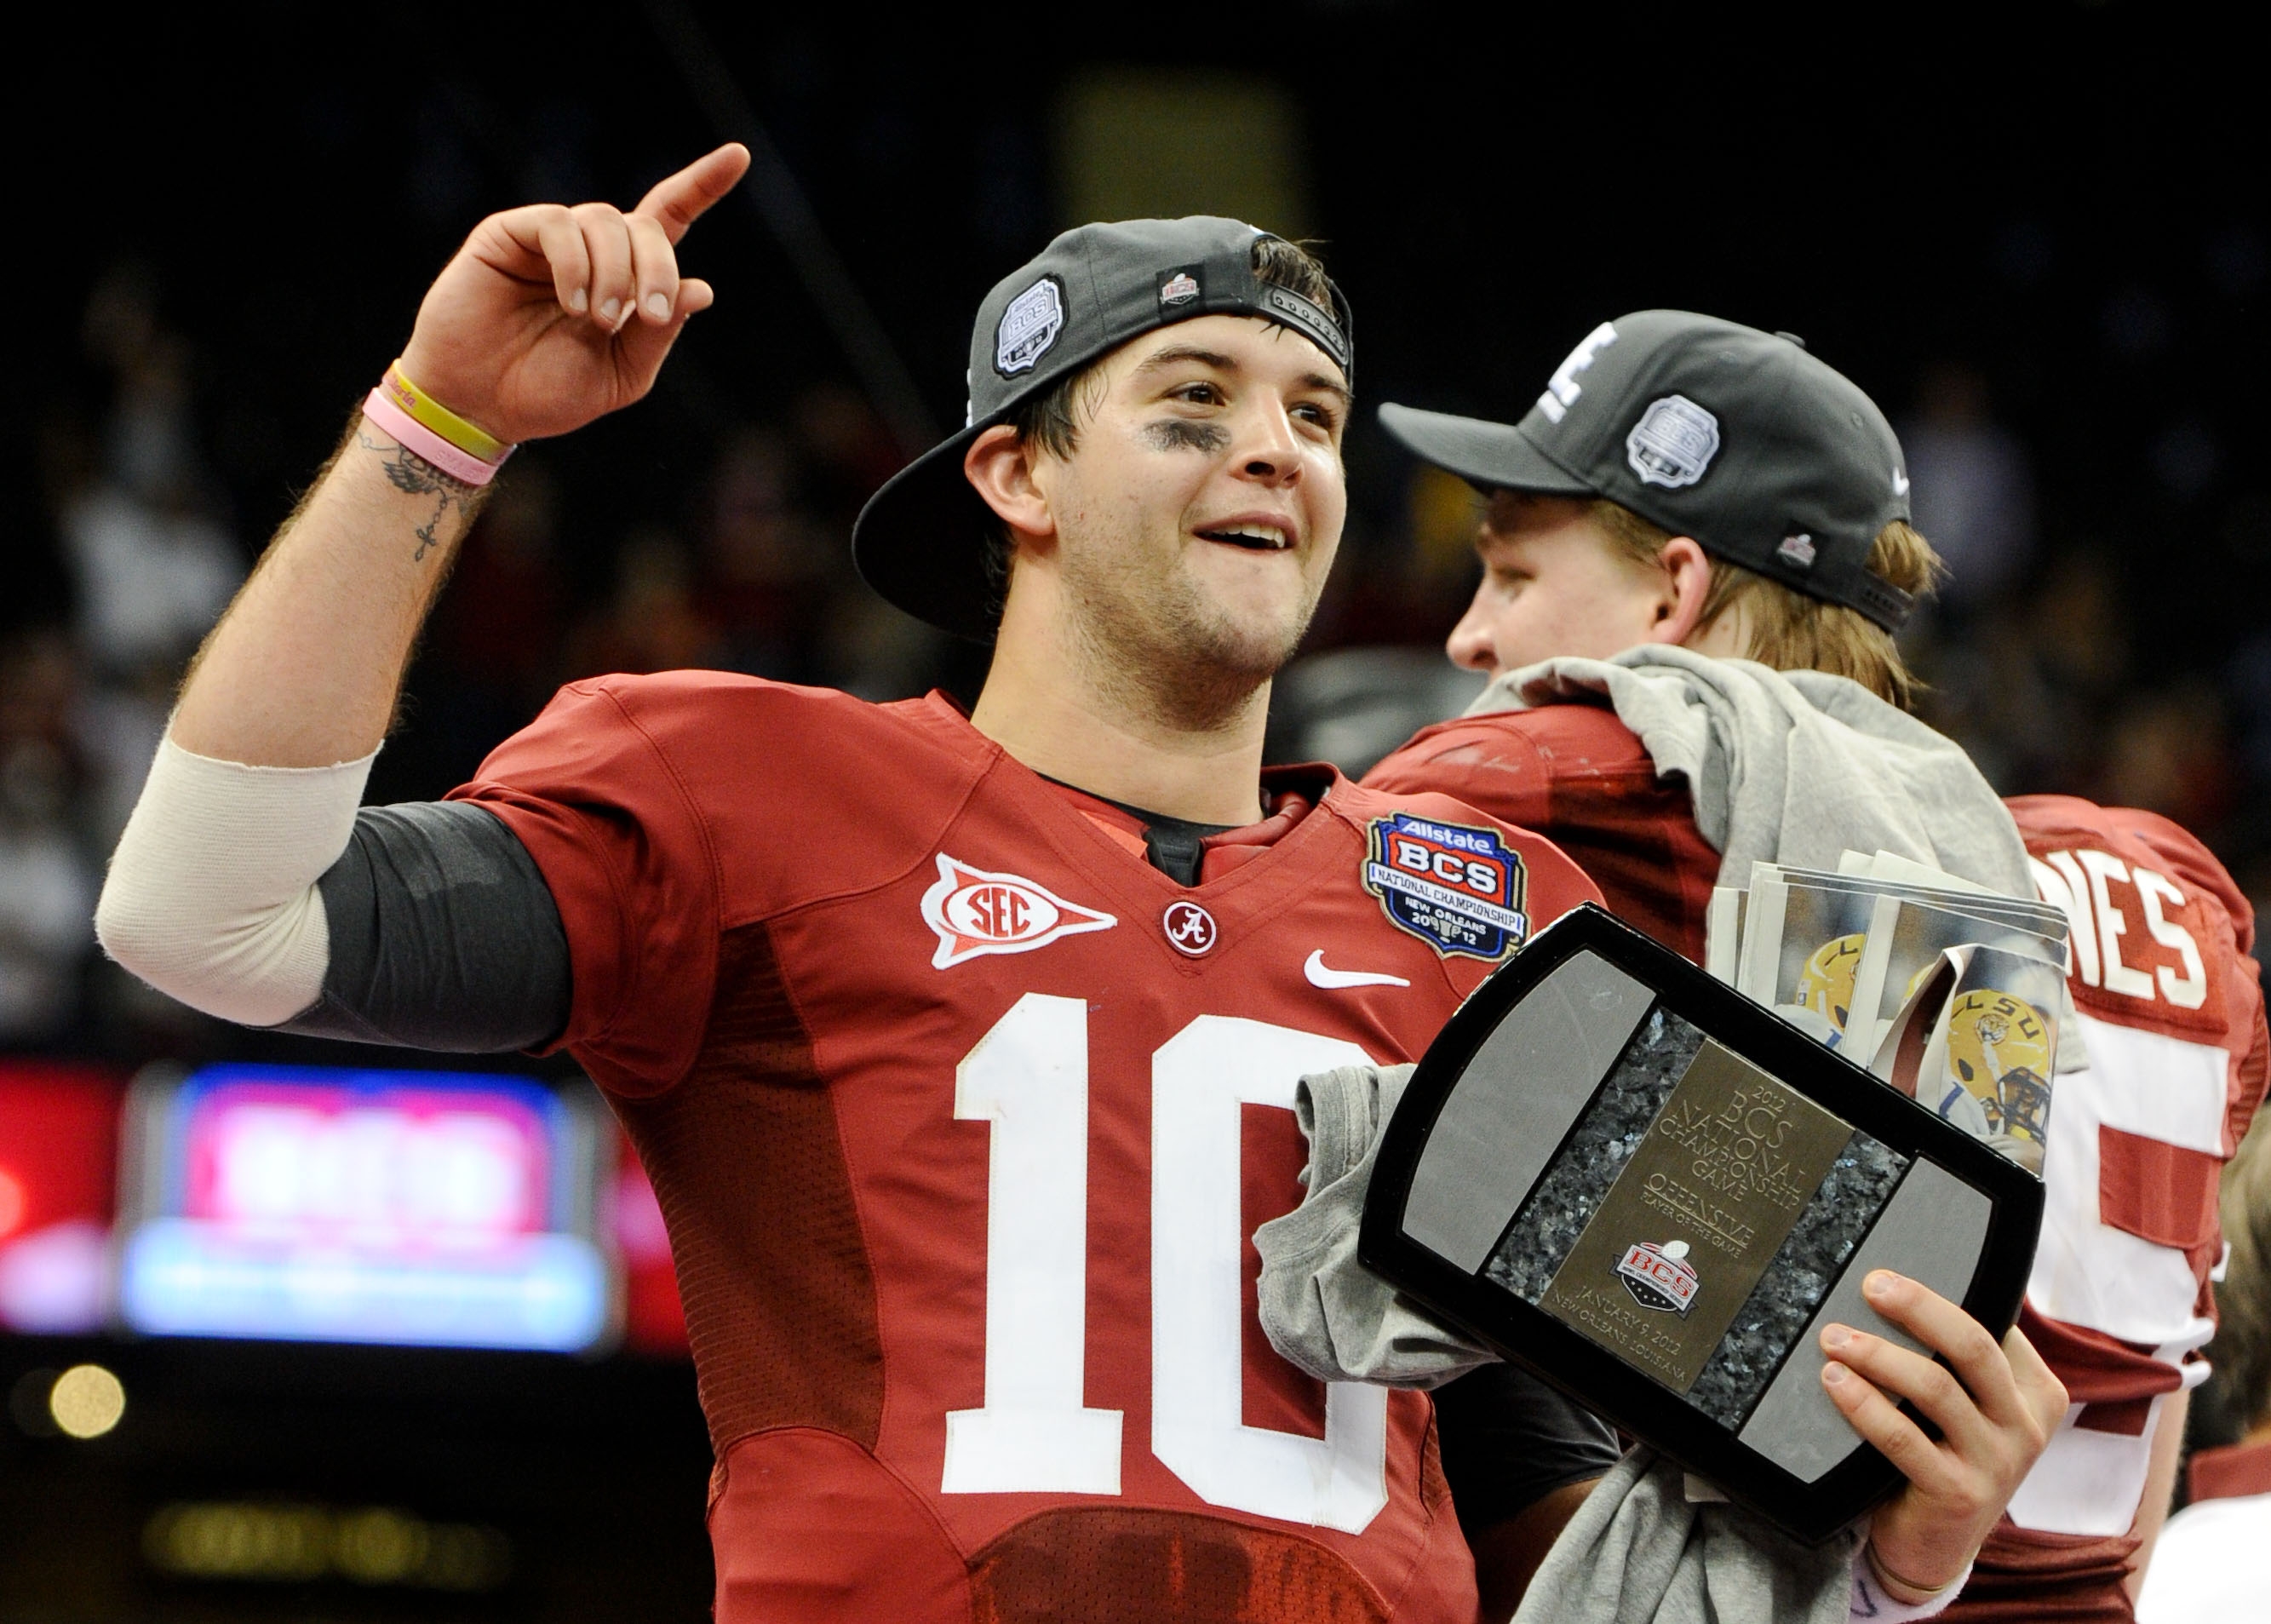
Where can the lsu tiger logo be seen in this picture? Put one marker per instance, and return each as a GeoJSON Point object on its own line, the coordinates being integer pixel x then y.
{"type": "Point", "coordinates": [1825, 985]}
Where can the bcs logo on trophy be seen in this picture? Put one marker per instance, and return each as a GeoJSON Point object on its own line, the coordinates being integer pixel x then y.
{"type": "Point", "coordinates": [975, 912]}
{"type": "Point", "coordinates": [1660, 1276]}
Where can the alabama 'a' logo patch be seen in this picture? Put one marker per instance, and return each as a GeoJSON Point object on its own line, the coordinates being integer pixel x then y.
{"type": "Point", "coordinates": [975, 912]}
{"type": "Point", "coordinates": [1458, 889]}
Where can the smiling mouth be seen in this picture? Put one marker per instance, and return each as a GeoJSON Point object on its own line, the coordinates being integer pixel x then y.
{"type": "Point", "coordinates": [1253, 538]}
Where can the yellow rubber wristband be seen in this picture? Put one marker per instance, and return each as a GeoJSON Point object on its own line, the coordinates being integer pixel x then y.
{"type": "Point", "coordinates": [424, 410]}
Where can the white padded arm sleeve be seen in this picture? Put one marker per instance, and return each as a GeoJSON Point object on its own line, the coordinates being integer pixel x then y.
{"type": "Point", "coordinates": [211, 894]}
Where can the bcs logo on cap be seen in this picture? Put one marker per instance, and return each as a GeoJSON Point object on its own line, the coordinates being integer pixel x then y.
{"type": "Point", "coordinates": [975, 912]}
{"type": "Point", "coordinates": [1179, 288]}
{"type": "Point", "coordinates": [1028, 327]}
{"type": "Point", "coordinates": [1673, 442]}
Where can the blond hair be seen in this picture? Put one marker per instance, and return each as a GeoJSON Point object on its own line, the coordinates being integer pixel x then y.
{"type": "Point", "coordinates": [1788, 630]}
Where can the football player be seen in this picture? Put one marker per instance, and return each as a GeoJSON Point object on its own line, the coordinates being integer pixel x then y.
{"type": "Point", "coordinates": [960, 1047]}
{"type": "Point", "coordinates": [1607, 531]}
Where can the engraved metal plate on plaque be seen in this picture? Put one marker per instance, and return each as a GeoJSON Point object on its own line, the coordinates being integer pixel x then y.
{"type": "Point", "coordinates": [1683, 1235]}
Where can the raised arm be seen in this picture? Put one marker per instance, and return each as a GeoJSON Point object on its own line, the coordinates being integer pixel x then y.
{"type": "Point", "coordinates": [247, 884]}
{"type": "Point", "coordinates": [546, 319]}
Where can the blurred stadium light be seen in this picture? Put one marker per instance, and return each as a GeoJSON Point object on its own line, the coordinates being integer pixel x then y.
{"type": "Point", "coordinates": [86, 1401]}
{"type": "Point", "coordinates": [1137, 144]}
{"type": "Point", "coordinates": [313, 1204]}
{"type": "Point", "coordinates": [293, 1543]}
{"type": "Point", "coordinates": [58, 1147]}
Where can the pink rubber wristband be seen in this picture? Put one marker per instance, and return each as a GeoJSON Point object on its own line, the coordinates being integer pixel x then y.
{"type": "Point", "coordinates": [417, 437]}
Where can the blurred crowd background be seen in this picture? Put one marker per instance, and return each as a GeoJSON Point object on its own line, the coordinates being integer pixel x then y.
{"type": "Point", "coordinates": [2048, 263]}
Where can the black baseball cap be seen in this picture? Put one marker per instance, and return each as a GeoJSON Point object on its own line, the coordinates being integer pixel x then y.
{"type": "Point", "coordinates": [1768, 458]}
{"type": "Point", "coordinates": [920, 540]}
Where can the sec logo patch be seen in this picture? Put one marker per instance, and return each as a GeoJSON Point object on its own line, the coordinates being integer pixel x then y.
{"type": "Point", "coordinates": [976, 912]}
{"type": "Point", "coordinates": [1459, 889]}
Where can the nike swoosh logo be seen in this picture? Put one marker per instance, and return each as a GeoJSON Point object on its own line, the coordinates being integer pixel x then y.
{"type": "Point", "coordinates": [1333, 979]}
{"type": "Point", "coordinates": [1900, 483]}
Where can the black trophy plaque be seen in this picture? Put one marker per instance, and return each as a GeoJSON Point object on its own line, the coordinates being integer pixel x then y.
{"type": "Point", "coordinates": [1635, 1181]}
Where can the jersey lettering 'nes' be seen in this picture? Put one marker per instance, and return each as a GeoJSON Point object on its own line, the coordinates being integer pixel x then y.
{"type": "Point", "coordinates": [962, 1116]}
{"type": "Point", "coordinates": [2170, 1011]}
{"type": "Point", "coordinates": [2171, 1015]}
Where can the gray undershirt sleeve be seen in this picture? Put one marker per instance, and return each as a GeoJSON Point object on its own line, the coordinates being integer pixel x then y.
{"type": "Point", "coordinates": [443, 935]}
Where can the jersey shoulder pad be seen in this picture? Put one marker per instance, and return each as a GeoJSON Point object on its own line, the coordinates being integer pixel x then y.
{"type": "Point", "coordinates": [2160, 933]}
{"type": "Point", "coordinates": [1512, 762]}
{"type": "Point", "coordinates": [787, 793]}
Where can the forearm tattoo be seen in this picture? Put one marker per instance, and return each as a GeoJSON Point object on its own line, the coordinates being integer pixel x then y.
{"type": "Point", "coordinates": [412, 474]}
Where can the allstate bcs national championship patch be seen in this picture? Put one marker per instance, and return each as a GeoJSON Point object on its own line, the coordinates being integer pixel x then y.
{"type": "Point", "coordinates": [1459, 889]}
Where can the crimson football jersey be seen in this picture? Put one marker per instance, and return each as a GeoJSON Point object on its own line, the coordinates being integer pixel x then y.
{"type": "Point", "coordinates": [2170, 1010]}
{"type": "Point", "coordinates": [2172, 1015]}
{"type": "Point", "coordinates": [962, 1116]}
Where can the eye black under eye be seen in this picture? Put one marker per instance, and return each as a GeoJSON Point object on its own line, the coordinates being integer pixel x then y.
{"type": "Point", "coordinates": [1175, 433]}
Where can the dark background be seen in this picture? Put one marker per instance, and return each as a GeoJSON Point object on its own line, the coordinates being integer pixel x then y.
{"type": "Point", "coordinates": [2037, 236]}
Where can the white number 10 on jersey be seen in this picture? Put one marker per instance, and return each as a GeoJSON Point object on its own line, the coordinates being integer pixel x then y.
{"type": "Point", "coordinates": [1029, 1077]}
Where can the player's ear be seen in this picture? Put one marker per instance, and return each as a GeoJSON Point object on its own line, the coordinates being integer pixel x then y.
{"type": "Point", "coordinates": [1685, 588]}
{"type": "Point", "coordinates": [999, 466]}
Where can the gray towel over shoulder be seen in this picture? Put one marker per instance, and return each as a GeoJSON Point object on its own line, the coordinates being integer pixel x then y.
{"type": "Point", "coordinates": [1638, 1549]}
{"type": "Point", "coordinates": [1324, 1311]}
{"type": "Point", "coordinates": [1794, 767]}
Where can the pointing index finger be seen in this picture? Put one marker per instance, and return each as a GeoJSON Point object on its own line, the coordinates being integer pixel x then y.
{"type": "Point", "coordinates": [678, 200]}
